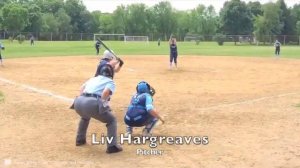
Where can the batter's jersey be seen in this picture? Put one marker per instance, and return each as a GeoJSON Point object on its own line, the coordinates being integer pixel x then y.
{"type": "Point", "coordinates": [101, 63]}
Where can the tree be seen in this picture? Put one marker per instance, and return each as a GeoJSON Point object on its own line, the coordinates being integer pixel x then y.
{"type": "Point", "coordinates": [95, 25]}
{"type": "Point", "coordinates": [272, 19]}
{"type": "Point", "coordinates": [260, 30]}
{"type": "Point", "coordinates": [15, 17]}
{"type": "Point", "coordinates": [184, 21]}
{"type": "Point", "coordinates": [269, 23]}
{"type": "Point", "coordinates": [35, 18]}
{"type": "Point", "coordinates": [165, 18]}
{"type": "Point", "coordinates": [63, 21]}
{"type": "Point", "coordinates": [119, 19]}
{"type": "Point", "coordinates": [106, 25]}
{"type": "Point", "coordinates": [50, 24]}
{"type": "Point", "coordinates": [298, 27]}
{"type": "Point", "coordinates": [235, 18]}
{"type": "Point", "coordinates": [77, 11]}
{"type": "Point", "coordinates": [212, 19]}
{"type": "Point", "coordinates": [198, 20]}
{"type": "Point", "coordinates": [151, 23]}
{"type": "Point", "coordinates": [285, 18]}
{"type": "Point", "coordinates": [255, 8]}
{"type": "Point", "coordinates": [50, 6]}
{"type": "Point", "coordinates": [85, 21]}
{"type": "Point", "coordinates": [4, 2]}
{"type": "Point", "coordinates": [204, 20]}
{"type": "Point", "coordinates": [296, 12]}
{"type": "Point", "coordinates": [137, 19]}
{"type": "Point", "coordinates": [1, 20]}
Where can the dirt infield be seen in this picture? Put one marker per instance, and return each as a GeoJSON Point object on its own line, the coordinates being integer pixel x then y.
{"type": "Point", "coordinates": [246, 106]}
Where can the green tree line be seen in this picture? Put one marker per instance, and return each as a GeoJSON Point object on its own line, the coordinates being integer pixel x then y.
{"type": "Point", "coordinates": [235, 18]}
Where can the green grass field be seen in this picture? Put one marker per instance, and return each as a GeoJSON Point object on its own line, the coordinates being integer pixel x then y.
{"type": "Point", "coordinates": [71, 48]}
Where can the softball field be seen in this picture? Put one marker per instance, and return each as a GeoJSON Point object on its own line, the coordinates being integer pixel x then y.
{"type": "Point", "coordinates": [247, 107]}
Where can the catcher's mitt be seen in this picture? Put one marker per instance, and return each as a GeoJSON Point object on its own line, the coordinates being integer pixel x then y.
{"type": "Point", "coordinates": [152, 91]}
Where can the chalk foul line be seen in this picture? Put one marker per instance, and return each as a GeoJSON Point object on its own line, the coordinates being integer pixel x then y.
{"type": "Point", "coordinates": [247, 101]}
{"type": "Point", "coordinates": [36, 90]}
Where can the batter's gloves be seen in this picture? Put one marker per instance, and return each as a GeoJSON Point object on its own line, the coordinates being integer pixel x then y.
{"type": "Point", "coordinates": [121, 62]}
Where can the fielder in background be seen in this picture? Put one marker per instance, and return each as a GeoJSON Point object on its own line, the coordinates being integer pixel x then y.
{"type": "Point", "coordinates": [97, 46]}
{"type": "Point", "coordinates": [173, 51]}
{"type": "Point", "coordinates": [108, 57]}
{"type": "Point", "coordinates": [277, 45]}
{"type": "Point", "coordinates": [141, 111]}
{"type": "Point", "coordinates": [158, 42]}
{"type": "Point", "coordinates": [32, 40]}
{"type": "Point", "coordinates": [93, 102]}
{"type": "Point", "coordinates": [1, 48]}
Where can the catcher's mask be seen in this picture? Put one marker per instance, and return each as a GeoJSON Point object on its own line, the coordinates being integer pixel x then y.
{"type": "Point", "coordinates": [144, 87]}
{"type": "Point", "coordinates": [107, 70]}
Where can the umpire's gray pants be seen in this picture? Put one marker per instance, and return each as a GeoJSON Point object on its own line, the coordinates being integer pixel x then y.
{"type": "Point", "coordinates": [91, 107]}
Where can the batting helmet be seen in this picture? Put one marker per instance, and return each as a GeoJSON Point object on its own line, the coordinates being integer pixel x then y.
{"type": "Point", "coordinates": [144, 87]}
{"type": "Point", "coordinates": [108, 55]}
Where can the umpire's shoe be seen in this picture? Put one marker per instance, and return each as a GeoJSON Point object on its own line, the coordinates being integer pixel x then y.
{"type": "Point", "coordinates": [80, 142]}
{"type": "Point", "coordinates": [114, 149]}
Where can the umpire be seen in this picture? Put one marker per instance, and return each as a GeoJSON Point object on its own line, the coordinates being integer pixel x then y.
{"type": "Point", "coordinates": [93, 102]}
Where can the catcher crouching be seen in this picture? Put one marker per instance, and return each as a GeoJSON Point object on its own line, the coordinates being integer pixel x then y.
{"type": "Point", "coordinates": [141, 111]}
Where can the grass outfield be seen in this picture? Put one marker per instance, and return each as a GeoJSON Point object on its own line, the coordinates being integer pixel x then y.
{"type": "Point", "coordinates": [71, 48]}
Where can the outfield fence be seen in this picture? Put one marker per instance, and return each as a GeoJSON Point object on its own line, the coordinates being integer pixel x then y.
{"type": "Point", "coordinates": [249, 39]}
{"type": "Point", "coordinates": [239, 39]}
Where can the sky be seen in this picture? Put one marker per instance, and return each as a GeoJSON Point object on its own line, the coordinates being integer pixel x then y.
{"type": "Point", "coordinates": [110, 5]}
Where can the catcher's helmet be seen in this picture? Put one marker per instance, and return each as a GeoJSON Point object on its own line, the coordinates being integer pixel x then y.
{"type": "Point", "coordinates": [108, 55]}
{"type": "Point", "coordinates": [144, 87]}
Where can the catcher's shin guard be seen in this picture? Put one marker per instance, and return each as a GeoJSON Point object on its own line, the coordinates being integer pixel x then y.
{"type": "Point", "coordinates": [128, 131]}
{"type": "Point", "coordinates": [147, 131]}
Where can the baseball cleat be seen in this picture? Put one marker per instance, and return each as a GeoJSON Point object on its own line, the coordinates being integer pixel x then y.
{"type": "Point", "coordinates": [80, 142]}
{"type": "Point", "coordinates": [114, 149]}
{"type": "Point", "coordinates": [146, 133]}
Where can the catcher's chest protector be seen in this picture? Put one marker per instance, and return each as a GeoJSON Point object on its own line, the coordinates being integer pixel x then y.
{"type": "Point", "coordinates": [138, 100]}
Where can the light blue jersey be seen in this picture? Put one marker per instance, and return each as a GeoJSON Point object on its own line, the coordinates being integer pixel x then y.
{"type": "Point", "coordinates": [97, 84]}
